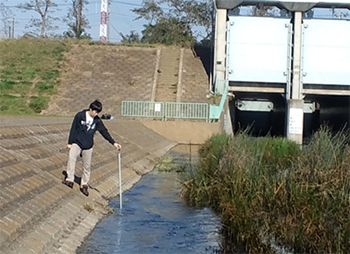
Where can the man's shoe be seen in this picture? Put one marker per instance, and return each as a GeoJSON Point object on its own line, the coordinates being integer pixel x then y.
{"type": "Point", "coordinates": [68, 183]}
{"type": "Point", "coordinates": [64, 173]}
{"type": "Point", "coordinates": [84, 190]}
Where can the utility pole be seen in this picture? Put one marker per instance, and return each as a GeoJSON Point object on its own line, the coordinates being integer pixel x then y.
{"type": "Point", "coordinates": [103, 22]}
{"type": "Point", "coordinates": [13, 28]}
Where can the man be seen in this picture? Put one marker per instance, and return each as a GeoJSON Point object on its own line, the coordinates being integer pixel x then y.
{"type": "Point", "coordinates": [81, 140]}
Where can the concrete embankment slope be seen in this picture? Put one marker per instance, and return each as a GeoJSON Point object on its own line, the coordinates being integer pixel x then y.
{"type": "Point", "coordinates": [38, 214]}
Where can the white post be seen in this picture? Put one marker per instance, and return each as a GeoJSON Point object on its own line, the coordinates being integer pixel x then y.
{"type": "Point", "coordinates": [109, 21]}
{"type": "Point", "coordinates": [120, 182]}
{"type": "Point", "coordinates": [220, 44]}
{"type": "Point", "coordinates": [295, 105]}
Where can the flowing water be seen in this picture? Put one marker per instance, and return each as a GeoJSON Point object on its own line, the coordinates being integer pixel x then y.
{"type": "Point", "coordinates": [155, 220]}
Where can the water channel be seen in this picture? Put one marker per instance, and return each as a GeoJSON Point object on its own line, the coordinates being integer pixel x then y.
{"type": "Point", "coordinates": [155, 220]}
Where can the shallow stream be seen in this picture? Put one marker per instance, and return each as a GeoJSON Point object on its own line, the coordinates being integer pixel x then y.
{"type": "Point", "coordinates": [155, 220]}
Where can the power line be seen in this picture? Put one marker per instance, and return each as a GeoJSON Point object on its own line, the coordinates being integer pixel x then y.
{"type": "Point", "coordinates": [116, 31]}
{"type": "Point", "coordinates": [123, 17]}
{"type": "Point", "coordinates": [126, 3]}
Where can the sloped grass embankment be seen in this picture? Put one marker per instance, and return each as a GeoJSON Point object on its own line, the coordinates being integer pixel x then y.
{"type": "Point", "coordinates": [29, 73]}
{"type": "Point", "coordinates": [273, 196]}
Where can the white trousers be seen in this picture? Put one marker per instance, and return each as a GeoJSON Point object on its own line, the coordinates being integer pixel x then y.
{"type": "Point", "coordinates": [74, 152]}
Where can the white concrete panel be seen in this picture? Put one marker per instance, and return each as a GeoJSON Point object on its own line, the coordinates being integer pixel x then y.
{"type": "Point", "coordinates": [257, 49]}
{"type": "Point", "coordinates": [326, 52]}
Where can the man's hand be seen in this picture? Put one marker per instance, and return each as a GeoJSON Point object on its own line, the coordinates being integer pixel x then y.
{"type": "Point", "coordinates": [69, 146]}
{"type": "Point", "coordinates": [117, 145]}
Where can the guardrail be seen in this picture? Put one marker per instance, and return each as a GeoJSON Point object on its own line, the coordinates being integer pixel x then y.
{"type": "Point", "coordinates": [143, 109]}
{"type": "Point", "coordinates": [165, 110]}
{"type": "Point", "coordinates": [216, 110]}
{"type": "Point", "coordinates": [180, 110]}
{"type": "Point", "coordinates": [186, 110]}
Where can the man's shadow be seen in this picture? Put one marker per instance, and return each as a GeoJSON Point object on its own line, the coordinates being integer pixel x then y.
{"type": "Point", "coordinates": [77, 179]}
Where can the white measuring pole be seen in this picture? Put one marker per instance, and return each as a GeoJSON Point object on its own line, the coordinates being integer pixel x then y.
{"type": "Point", "coordinates": [120, 182]}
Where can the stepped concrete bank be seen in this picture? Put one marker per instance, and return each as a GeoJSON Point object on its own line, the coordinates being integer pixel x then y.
{"type": "Point", "coordinates": [39, 214]}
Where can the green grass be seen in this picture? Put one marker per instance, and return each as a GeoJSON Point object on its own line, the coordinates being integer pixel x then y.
{"type": "Point", "coordinates": [29, 71]}
{"type": "Point", "coordinates": [271, 193]}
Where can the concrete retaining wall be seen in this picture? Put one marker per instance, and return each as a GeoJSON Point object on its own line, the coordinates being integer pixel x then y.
{"type": "Point", "coordinates": [185, 132]}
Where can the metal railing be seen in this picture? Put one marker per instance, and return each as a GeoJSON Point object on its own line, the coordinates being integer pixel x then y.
{"type": "Point", "coordinates": [143, 109]}
{"type": "Point", "coordinates": [179, 110]}
{"type": "Point", "coordinates": [165, 110]}
{"type": "Point", "coordinates": [186, 110]}
{"type": "Point", "coordinates": [216, 110]}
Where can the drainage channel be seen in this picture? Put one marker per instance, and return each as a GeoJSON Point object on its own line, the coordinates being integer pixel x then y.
{"type": "Point", "coordinates": [155, 220]}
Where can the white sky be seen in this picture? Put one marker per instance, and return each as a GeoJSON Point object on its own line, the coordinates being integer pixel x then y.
{"type": "Point", "coordinates": [122, 18]}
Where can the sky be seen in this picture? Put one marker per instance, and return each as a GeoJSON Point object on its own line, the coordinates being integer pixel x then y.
{"type": "Point", "coordinates": [122, 18]}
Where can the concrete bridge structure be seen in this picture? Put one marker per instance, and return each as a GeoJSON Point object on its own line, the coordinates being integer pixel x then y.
{"type": "Point", "coordinates": [286, 63]}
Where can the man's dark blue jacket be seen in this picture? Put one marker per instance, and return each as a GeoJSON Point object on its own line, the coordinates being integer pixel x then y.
{"type": "Point", "coordinates": [83, 135]}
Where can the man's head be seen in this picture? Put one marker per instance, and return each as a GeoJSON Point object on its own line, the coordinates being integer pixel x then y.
{"type": "Point", "coordinates": [95, 108]}
{"type": "Point", "coordinates": [96, 105]}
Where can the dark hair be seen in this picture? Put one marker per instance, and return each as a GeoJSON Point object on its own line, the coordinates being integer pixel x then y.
{"type": "Point", "coordinates": [96, 105]}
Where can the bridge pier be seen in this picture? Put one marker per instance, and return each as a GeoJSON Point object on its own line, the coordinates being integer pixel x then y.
{"type": "Point", "coordinates": [220, 46]}
{"type": "Point", "coordinates": [295, 104]}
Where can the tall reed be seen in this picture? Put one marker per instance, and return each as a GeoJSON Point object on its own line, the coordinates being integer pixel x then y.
{"type": "Point", "coordinates": [271, 195]}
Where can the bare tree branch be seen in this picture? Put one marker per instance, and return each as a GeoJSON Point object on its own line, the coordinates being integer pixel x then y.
{"type": "Point", "coordinates": [43, 8]}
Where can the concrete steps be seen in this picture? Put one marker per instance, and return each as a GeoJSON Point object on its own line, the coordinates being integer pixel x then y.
{"type": "Point", "coordinates": [116, 73]}
{"type": "Point", "coordinates": [38, 214]}
{"type": "Point", "coordinates": [168, 73]}
{"type": "Point", "coordinates": [195, 82]}
{"type": "Point", "coordinates": [108, 73]}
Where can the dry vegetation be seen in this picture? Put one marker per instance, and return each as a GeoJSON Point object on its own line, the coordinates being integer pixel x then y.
{"type": "Point", "coordinates": [272, 196]}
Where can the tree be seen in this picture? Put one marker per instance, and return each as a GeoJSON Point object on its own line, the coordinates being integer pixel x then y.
{"type": "Point", "coordinates": [132, 37]}
{"type": "Point", "coordinates": [341, 13]}
{"type": "Point", "coordinates": [194, 13]}
{"type": "Point", "coordinates": [77, 21]}
{"type": "Point", "coordinates": [168, 31]}
{"type": "Point", "coordinates": [7, 19]}
{"type": "Point", "coordinates": [150, 11]}
{"type": "Point", "coordinates": [181, 14]}
{"type": "Point", "coordinates": [43, 8]}
{"type": "Point", "coordinates": [262, 10]}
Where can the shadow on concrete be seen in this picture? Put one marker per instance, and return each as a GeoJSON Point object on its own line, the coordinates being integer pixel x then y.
{"type": "Point", "coordinates": [206, 54]}
{"type": "Point", "coordinates": [77, 180]}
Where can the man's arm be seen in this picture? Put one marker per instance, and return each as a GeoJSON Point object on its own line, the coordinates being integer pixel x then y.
{"type": "Point", "coordinates": [73, 131]}
{"type": "Point", "coordinates": [104, 132]}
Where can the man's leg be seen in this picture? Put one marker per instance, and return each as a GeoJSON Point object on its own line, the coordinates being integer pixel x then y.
{"type": "Point", "coordinates": [87, 155]}
{"type": "Point", "coordinates": [74, 152]}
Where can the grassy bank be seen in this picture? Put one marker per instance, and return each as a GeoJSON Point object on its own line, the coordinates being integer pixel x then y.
{"type": "Point", "coordinates": [272, 195]}
{"type": "Point", "coordinates": [29, 72]}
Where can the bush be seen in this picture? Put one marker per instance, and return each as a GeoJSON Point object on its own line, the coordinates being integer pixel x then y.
{"type": "Point", "coordinates": [198, 182]}
{"type": "Point", "coordinates": [271, 195]}
{"type": "Point", "coordinates": [37, 104]}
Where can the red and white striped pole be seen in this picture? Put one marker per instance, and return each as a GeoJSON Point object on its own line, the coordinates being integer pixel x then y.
{"type": "Point", "coordinates": [103, 22]}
